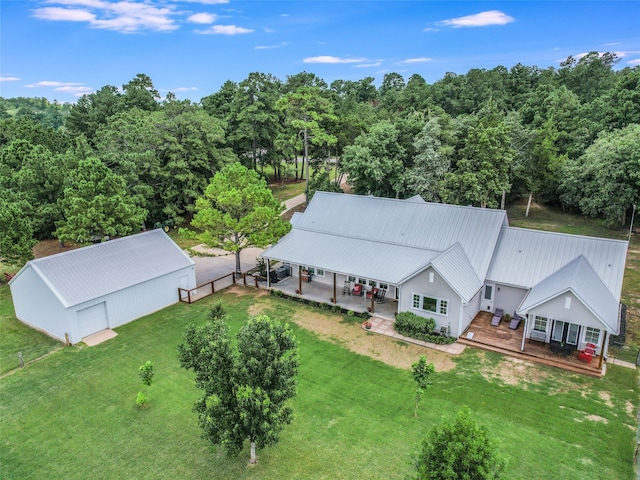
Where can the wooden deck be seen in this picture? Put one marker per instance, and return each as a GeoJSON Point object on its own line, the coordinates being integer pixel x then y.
{"type": "Point", "coordinates": [504, 340]}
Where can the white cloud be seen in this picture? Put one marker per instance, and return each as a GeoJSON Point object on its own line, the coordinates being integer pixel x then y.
{"type": "Point", "coordinates": [207, 2]}
{"type": "Point", "coordinates": [184, 89]}
{"type": "Point", "coordinates": [367, 65]}
{"type": "Point", "coordinates": [417, 60]}
{"type": "Point", "coordinates": [48, 83]}
{"type": "Point", "coordinates": [482, 19]}
{"type": "Point", "coordinates": [74, 88]}
{"type": "Point", "coordinates": [203, 18]}
{"type": "Point", "coordinates": [9, 79]}
{"type": "Point", "coordinates": [634, 62]}
{"type": "Point", "coordinates": [224, 30]}
{"type": "Point", "coordinates": [270, 47]}
{"type": "Point", "coordinates": [331, 59]}
{"type": "Point", "coordinates": [63, 14]}
{"type": "Point", "coordinates": [431, 29]}
{"type": "Point", "coordinates": [123, 16]}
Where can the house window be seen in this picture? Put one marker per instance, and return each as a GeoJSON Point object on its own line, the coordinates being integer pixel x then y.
{"type": "Point", "coordinates": [362, 281]}
{"type": "Point", "coordinates": [314, 271]}
{"type": "Point", "coordinates": [592, 335]}
{"type": "Point", "coordinates": [352, 278]}
{"type": "Point", "coordinates": [540, 324]}
{"type": "Point", "coordinates": [430, 304]}
{"type": "Point", "coordinates": [372, 283]}
{"type": "Point", "coordinates": [383, 286]}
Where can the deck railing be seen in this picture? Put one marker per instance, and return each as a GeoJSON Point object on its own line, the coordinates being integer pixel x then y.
{"type": "Point", "coordinates": [209, 288]}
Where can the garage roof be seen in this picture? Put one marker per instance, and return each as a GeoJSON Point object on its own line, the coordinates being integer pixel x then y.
{"type": "Point", "coordinates": [97, 270]}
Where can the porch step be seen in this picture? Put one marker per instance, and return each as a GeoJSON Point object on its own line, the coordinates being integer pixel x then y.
{"type": "Point", "coordinates": [586, 370]}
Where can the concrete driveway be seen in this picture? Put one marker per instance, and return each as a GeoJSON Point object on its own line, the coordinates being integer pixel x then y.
{"type": "Point", "coordinates": [209, 267]}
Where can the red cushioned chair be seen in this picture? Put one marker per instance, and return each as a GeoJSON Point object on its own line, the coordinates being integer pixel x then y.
{"type": "Point", "coordinates": [357, 289]}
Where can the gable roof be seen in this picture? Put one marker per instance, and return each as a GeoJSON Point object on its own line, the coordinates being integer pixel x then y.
{"type": "Point", "coordinates": [454, 265]}
{"type": "Point", "coordinates": [387, 239]}
{"type": "Point", "coordinates": [90, 272]}
{"type": "Point", "coordinates": [524, 257]}
{"type": "Point", "coordinates": [579, 278]}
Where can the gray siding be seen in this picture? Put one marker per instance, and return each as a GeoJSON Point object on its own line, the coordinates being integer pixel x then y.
{"type": "Point", "coordinates": [439, 289]}
{"type": "Point", "coordinates": [508, 298]}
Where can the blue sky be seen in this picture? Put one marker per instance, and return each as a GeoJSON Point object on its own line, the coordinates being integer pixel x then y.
{"type": "Point", "coordinates": [61, 49]}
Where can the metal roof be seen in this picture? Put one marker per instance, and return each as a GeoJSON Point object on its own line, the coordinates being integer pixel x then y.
{"type": "Point", "coordinates": [579, 278]}
{"type": "Point", "coordinates": [431, 226]}
{"type": "Point", "coordinates": [525, 257]}
{"type": "Point", "coordinates": [351, 256]}
{"type": "Point", "coordinates": [391, 240]}
{"type": "Point", "coordinates": [90, 272]}
{"type": "Point", "coordinates": [454, 265]}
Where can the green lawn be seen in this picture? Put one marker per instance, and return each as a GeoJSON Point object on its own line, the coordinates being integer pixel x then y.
{"type": "Point", "coordinates": [73, 414]}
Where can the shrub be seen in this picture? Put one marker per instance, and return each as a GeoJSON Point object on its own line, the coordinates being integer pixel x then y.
{"type": "Point", "coordinates": [141, 399]}
{"type": "Point", "coordinates": [414, 326]}
{"type": "Point", "coordinates": [146, 373]}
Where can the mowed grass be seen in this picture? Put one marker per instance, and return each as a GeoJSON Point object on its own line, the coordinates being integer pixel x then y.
{"type": "Point", "coordinates": [73, 414]}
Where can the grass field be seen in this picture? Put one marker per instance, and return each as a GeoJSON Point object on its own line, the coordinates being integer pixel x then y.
{"type": "Point", "coordinates": [73, 414]}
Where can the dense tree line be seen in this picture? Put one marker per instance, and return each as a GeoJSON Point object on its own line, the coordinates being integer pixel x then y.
{"type": "Point", "coordinates": [567, 136]}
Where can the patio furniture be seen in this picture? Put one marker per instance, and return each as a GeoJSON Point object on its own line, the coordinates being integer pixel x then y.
{"type": "Point", "coordinates": [588, 353]}
{"type": "Point", "coordinates": [372, 293]}
{"type": "Point", "coordinates": [380, 296]}
{"type": "Point", "coordinates": [305, 276]}
{"type": "Point", "coordinates": [538, 336]}
{"type": "Point", "coordinates": [497, 317]}
{"type": "Point", "coordinates": [346, 288]}
{"type": "Point", "coordinates": [562, 348]}
{"type": "Point", "coordinates": [357, 289]}
{"type": "Point", "coordinates": [515, 321]}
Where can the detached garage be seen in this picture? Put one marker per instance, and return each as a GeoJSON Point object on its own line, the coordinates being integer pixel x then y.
{"type": "Point", "coordinates": [84, 291]}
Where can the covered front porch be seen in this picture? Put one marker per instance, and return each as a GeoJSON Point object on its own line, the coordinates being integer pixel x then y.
{"type": "Point", "coordinates": [324, 292]}
{"type": "Point", "coordinates": [502, 339]}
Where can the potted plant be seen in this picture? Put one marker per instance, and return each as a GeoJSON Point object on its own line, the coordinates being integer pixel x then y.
{"type": "Point", "coordinates": [367, 325]}
{"type": "Point", "coordinates": [297, 292]}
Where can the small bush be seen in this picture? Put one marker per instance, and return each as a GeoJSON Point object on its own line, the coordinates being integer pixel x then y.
{"type": "Point", "coordinates": [414, 326]}
{"type": "Point", "coordinates": [146, 373]}
{"type": "Point", "coordinates": [141, 399]}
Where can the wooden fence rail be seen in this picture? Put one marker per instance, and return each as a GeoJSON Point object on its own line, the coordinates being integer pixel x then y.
{"type": "Point", "coordinates": [209, 288]}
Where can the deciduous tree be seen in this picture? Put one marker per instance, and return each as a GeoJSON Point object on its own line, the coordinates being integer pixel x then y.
{"type": "Point", "coordinates": [458, 450]}
{"type": "Point", "coordinates": [247, 387]}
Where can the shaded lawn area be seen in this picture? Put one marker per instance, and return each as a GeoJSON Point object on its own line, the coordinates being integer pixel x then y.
{"type": "Point", "coordinates": [73, 414]}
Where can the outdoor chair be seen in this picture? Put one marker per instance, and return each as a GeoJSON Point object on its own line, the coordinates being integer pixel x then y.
{"type": "Point", "coordinates": [588, 353]}
{"type": "Point", "coordinates": [372, 293]}
{"type": "Point", "coordinates": [515, 321]}
{"type": "Point", "coordinates": [497, 317]}
{"type": "Point", "coordinates": [380, 296]}
{"type": "Point", "coordinates": [346, 289]}
{"type": "Point", "coordinates": [357, 289]}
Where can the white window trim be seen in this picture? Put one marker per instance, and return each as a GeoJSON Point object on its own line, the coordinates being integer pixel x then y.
{"type": "Point", "coordinates": [438, 304]}
{"type": "Point", "coordinates": [546, 325]}
{"type": "Point", "coordinates": [586, 330]}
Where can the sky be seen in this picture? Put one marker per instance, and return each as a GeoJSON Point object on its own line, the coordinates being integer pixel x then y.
{"type": "Point", "coordinates": [63, 49]}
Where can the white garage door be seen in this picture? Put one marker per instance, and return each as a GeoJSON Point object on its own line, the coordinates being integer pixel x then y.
{"type": "Point", "coordinates": [92, 319]}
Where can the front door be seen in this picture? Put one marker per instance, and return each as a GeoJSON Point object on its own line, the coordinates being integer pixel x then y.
{"type": "Point", "coordinates": [488, 296]}
{"type": "Point", "coordinates": [565, 332]}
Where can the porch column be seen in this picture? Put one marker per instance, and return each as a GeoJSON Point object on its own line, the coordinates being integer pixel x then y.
{"type": "Point", "coordinates": [300, 279]}
{"type": "Point", "coordinates": [335, 300]}
{"type": "Point", "coordinates": [268, 274]}
{"type": "Point", "coordinates": [524, 331]}
{"type": "Point", "coordinates": [604, 342]}
{"type": "Point", "coordinates": [373, 297]}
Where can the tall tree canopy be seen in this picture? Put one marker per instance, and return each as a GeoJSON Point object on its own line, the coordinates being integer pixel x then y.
{"type": "Point", "coordinates": [238, 211]}
{"type": "Point", "coordinates": [247, 385]}
{"type": "Point", "coordinates": [605, 181]}
{"type": "Point", "coordinates": [96, 204]}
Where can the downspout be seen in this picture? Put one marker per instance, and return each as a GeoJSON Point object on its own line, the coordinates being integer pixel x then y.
{"type": "Point", "coordinates": [459, 331]}
{"type": "Point", "coordinates": [300, 279]}
{"type": "Point", "coordinates": [335, 300]}
{"type": "Point", "coordinates": [524, 331]}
